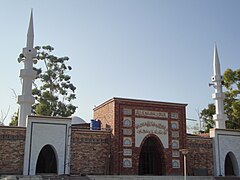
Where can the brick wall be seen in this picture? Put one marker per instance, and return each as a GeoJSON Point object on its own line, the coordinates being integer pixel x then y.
{"type": "Point", "coordinates": [200, 156]}
{"type": "Point", "coordinates": [12, 143]}
{"type": "Point", "coordinates": [90, 151]}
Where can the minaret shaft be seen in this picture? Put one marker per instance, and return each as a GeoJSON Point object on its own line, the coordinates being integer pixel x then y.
{"type": "Point", "coordinates": [218, 95]}
{"type": "Point", "coordinates": [27, 75]}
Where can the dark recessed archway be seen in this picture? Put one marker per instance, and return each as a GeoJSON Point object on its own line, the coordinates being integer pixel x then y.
{"type": "Point", "coordinates": [230, 165]}
{"type": "Point", "coordinates": [46, 162]}
{"type": "Point", "coordinates": [151, 159]}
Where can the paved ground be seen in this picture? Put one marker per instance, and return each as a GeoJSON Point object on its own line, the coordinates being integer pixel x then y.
{"type": "Point", "coordinates": [92, 177]}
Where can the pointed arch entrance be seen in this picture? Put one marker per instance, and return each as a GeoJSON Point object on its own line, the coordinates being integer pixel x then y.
{"type": "Point", "coordinates": [231, 165]}
{"type": "Point", "coordinates": [46, 162]}
{"type": "Point", "coordinates": [151, 158]}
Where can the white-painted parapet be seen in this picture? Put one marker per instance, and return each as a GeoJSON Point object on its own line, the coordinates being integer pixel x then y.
{"type": "Point", "coordinates": [218, 96]}
{"type": "Point", "coordinates": [226, 148]}
{"type": "Point", "coordinates": [26, 100]}
{"type": "Point", "coordinates": [54, 132]}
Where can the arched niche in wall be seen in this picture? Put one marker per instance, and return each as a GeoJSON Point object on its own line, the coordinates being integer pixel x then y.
{"type": "Point", "coordinates": [231, 165]}
{"type": "Point", "coordinates": [47, 161]}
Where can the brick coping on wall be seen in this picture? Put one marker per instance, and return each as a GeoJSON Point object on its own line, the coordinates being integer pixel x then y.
{"type": "Point", "coordinates": [138, 101]}
{"type": "Point", "coordinates": [13, 127]}
{"type": "Point", "coordinates": [199, 136]}
{"type": "Point", "coordinates": [74, 128]}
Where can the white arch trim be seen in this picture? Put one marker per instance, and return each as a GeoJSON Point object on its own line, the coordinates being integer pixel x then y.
{"type": "Point", "coordinates": [55, 153]}
{"type": "Point", "coordinates": [234, 163]}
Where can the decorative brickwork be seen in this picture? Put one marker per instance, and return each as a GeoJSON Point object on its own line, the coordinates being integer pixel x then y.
{"type": "Point", "coordinates": [12, 143]}
{"type": "Point", "coordinates": [90, 151]}
{"type": "Point", "coordinates": [121, 115]}
{"type": "Point", "coordinates": [200, 155]}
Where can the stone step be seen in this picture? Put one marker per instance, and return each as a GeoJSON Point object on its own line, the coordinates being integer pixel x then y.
{"type": "Point", "coordinates": [132, 177]}
{"type": "Point", "coordinates": [65, 177]}
{"type": "Point", "coordinates": [43, 177]}
{"type": "Point", "coordinates": [227, 178]}
{"type": "Point", "coordinates": [111, 177]}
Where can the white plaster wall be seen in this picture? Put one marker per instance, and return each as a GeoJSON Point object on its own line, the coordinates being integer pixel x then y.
{"type": "Point", "coordinates": [47, 130]}
{"type": "Point", "coordinates": [225, 141]}
{"type": "Point", "coordinates": [141, 130]}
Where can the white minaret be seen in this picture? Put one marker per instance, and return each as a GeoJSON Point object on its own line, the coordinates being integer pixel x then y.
{"type": "Point", "coordinates": [27, 74]}
{"type": "Point", "coordinates": [218, 95]}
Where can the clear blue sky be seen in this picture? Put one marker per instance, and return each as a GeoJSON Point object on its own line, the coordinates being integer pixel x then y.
{"type": "Point", "coordinates": [146, 49]}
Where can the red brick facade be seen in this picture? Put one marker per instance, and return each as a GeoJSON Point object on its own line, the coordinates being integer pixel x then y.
{"type": "Point", "coordinates": [111, 113]}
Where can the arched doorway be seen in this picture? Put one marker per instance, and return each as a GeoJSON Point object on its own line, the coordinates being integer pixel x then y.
{"type": "Point", "coordinates": [231, 165]}
{"type": "Point", "coordinates": [151, 159]}
{"type": "Point", "coordinates": [46, 162]}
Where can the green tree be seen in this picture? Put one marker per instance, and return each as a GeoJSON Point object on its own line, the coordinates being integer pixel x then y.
{"type": "Point", "coordinates": [14, 119]}
{"type": "Point", "coordinates": [53, 90]}
{"type": "Point", "coordinates": [207, 117]}
{"type": "Point", "coordinates": [231, 102]}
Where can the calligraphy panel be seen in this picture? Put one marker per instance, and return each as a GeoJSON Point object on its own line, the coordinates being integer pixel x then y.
{"type": "Point", "coordinates": [144, 127]}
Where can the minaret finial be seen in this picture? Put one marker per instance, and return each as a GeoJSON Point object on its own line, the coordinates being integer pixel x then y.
{"type": "Point", "coordinates": [30, 34]}
{"type": "Point", "coordinates": [28, 75]}
{"type": "Point", "coordinates": [218, 96]}
{"type": "Point", "coordinates": [216, 63]}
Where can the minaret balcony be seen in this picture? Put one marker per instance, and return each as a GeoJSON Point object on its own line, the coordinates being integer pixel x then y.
{"type": "Point", "coordinates": [218, 95]}
{"type": "Point", "coordinates": [28, 73]}
{"type": "Point", "coordinates": [26, 99]}
{"type": "Point", "coordinates": [220, 117]}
